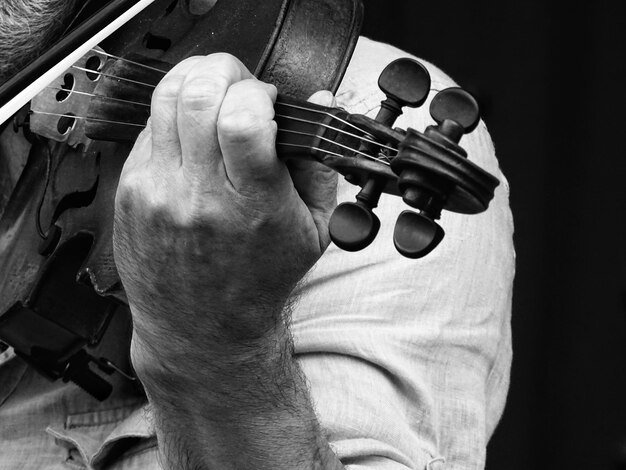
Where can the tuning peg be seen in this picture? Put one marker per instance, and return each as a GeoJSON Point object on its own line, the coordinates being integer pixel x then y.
{"type": "Point", "coordinates": [456, 111]}
{"type": "Point", "coordinates": [353, 225]}
{"type": "Point", "coordinates": [405, 82]}
{"type": "Point", "coordinates": [425, 180]}
{"type": "Point", "coordinates": [415, 235]}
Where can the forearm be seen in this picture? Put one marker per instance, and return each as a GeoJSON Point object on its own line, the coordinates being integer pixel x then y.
{"type": "Point", "coordinates": [244, 406]}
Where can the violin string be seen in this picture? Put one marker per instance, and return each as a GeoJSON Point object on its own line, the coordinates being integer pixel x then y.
{"type": "Point", "coordinates": [336, 129]}
{"type": "Point", "coordinates": [351, 149]}
{"type": "Point", "coordinates": [310, 147]}
{"type": "Point", "coordinates": [280, 103]}
{"type": "Point", "coordinates": [318, 111]}
{"type": "Point", "coordinates": [139, 64]}
{"type": "Point", "coordinates": [93, 95]}
{"type": "Point", "coordinates": [71, 116]}
{"type": "Point", "coordinates": [307, 134]}
{"type": "Point", "coordinates": [291, 105]}
{"type": "Point", "coordinates": [101, 74]}
{"type": "Point", "coordinates": [341, 131]}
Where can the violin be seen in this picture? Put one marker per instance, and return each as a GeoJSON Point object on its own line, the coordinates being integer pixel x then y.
{"type": "Point", "coordinates": [59, 285]}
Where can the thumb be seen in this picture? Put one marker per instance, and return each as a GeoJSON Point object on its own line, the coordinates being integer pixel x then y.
{"type": "Point", "coordinates": [316, 183]}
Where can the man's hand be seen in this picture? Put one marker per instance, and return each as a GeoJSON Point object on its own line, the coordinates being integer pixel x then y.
{"type": "Point", "coordinates": [212, 233]}
{"type": "Point", "coordinates": [209, 225]}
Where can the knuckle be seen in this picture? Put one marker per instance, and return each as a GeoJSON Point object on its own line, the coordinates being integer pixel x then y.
{"type": "Point", "coordinates": [206, 82]}
{"type": "Point", "coordinates": [166, 91]}
{"type": "Point", "coordinates": [200, 93]}
{"type": "Point", "coordinates": [247, 110]}
{"type": "Point", "coordinates": [240, 124]}
{"type": "Point", "coordinates": [129, 189]}
{"type": "Point", "coordinates": [139, 194]}
{"type": "Point", "coordinates": [199, 212]}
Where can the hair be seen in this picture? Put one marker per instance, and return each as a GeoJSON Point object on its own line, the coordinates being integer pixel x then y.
{"type": "Point", "coordinates": [27, 27]}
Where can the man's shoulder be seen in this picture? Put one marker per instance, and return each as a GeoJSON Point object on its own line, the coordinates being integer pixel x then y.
{"type": "Point", "coordinates": [380, 53]}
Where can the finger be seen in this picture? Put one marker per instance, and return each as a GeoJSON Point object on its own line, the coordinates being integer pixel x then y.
{"type": "Point", "coordinates": [165, 140]}
{"type": "Point", "coordinates": [323, 98]}
{"type": "Point", "coordinates": [199, 104]}
{"type": "Point", "coordinates": [316, 183]}
{"type": "Point", "coordinates": [247, 136]}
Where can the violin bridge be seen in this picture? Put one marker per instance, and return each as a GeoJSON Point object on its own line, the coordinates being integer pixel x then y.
{"type": "Point", "coordinates": [58, 111]}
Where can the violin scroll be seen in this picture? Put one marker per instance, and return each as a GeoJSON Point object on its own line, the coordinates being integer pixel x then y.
{"type": "Point", "coordinates": [353, 225]}
{"type": "Point", "coordinates": [431, 171]}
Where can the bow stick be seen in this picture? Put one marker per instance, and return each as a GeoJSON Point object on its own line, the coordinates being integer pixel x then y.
{"type": "Point", "coordinates": [21, 88]}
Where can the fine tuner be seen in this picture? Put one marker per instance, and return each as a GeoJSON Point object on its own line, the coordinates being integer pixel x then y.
{"type": "Point", "coordinates": [106, 98]}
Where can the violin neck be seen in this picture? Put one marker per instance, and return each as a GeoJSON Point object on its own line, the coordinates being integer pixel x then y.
{"type": "Point", "coordinates": [305, 130]}
{"type": "Point", "coordinates": [310, 130]}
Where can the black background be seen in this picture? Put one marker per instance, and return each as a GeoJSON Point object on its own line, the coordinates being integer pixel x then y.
{"type": "Point", "coordinates": [550, 80]}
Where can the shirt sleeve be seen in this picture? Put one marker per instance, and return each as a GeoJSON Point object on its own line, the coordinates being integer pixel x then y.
{"type": "Point", "coordinates": [408, 360]}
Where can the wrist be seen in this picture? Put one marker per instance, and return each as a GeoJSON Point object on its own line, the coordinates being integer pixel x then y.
{"type": "Point", "coordinates": [226, 361]}
{"type": "Point", "coordinates": [208, 318]}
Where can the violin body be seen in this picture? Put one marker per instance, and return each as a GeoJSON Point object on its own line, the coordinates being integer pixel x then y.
{"type": "Point", "coordinates": [58, 284]}
{"type": "Point", "coordinates": [301, 46]}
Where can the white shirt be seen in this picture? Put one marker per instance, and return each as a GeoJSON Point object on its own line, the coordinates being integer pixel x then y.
{"type": "Point", "coordinates": [408, 360]}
